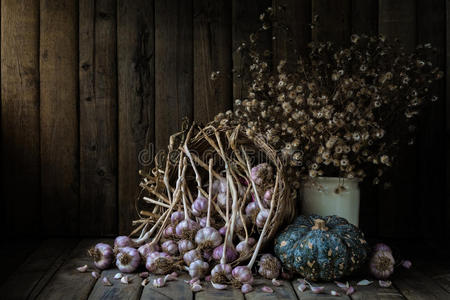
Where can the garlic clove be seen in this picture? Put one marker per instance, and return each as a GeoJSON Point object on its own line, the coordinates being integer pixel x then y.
{"type": "Point", "coordinates": [143, 274]}
{"type": "Point", "coordinates": [334, 293]}
{"type": "Point", "coordinates": [196, 287]}
{"type": "Point", "coordinates": [82, 269]}
{"type": "Point", "coordinates": [267, 289]}
{"type": "Point", "coordinates": [350, 291]}
{"type": "Point", "coordinates": [246, 288]}
{"type": "Point", "coordinates": [170, 277]}
{"type": "Point", "coordinates": [106, 281]}
{"type": "Point", "coordinates": [145, 282]}
{"type": "Point", "coordinates": [384, 283]}
{"type": "Point", "coordinates": [276, 282]}
{"type": "Point", "coordinates": [219, 286]}
{"type": "Point", "coordinates": [159, 282]}
{"type": "Point", "coordinates": [118, 276]}
{"type": "Point", "coordinates": [302, 287]}
{"type": "Point", "coordinates": [317, 289]}
{"type": "Point", "coordinates": [95, 274]}
{"type": "Point", "coordinates": [364, 282]}
{"type": "Point", "coordinates": [341, 285]}
{"type": "Point", "coordinates": [124, 280]}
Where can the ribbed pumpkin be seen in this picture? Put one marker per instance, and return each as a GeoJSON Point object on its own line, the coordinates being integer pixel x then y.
{"type": "Point", "coordinates": [321, 248]}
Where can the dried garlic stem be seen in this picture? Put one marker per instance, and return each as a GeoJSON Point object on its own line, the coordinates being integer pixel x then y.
{"type": "Point", "coordinates": [241, 214]}
{"type": "Point", "coordinates": [266, 225]}
{"type": "Point", "coordinates": [149, 200]}
{"type": "Point", "coordinates": [202, 164]}
{"type": "Point", "coordinates": [208, 214]}
{"type": "Point", "coordinates": [249, 170]}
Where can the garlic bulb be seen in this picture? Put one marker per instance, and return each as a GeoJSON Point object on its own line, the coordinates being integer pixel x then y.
{"type": "Point", "coordinates": [198, 269]}
{"type": "Point", "coordinates": [269, 266]}
{"type": "Point", "coordinates": [221, 273]}
{"type": "Point", "coordinates": [159, 263]}
{"type": "Point", "coordinates": [191, 256]}
{"type": "Point", "coordinates": [170, 247]}
{"type": "Point", "coordinates": [123, 241]}
{"type": "Point", "coordinates": [242, 274]}
{"type": "Point", "coordinates": [146, 249]}
{"type": "Point", "coordinates": [103, 255]}
{"type": "Point", "coordinates": [382, 264]}
{"type": "Point", "coordinates": [176, 217]}
{"type": "Point", "coordinates": [128, 259]}
{"type": "Point", "coordinates": [230, 254]}
{"type": "Point", "coordinates": [186, 228]}
{"type": "Point", "coordinates": [185, 246]}
{"type": "Point", "coordinates": [245, 246]}
{"type": "Point", "coordinates": [199, 206]}
{"type": "Point", "coordinates": [262, 217]}
{"type": "Point", "coordinates": [208, 237]}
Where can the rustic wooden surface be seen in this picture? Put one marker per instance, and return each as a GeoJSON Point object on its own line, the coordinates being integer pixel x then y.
{"type": "Point", "coordinates": [49, 272]}
{"type": "Point", "coordinates": [90, 89]}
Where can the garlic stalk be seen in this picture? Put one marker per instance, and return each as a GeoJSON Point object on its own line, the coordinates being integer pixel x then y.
{"type": "Point", "coordinates": [266, 225]}
{"type": "Point", "coordinates": [249, 170]}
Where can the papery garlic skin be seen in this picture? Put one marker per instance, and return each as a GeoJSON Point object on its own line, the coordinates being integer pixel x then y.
{"type": "Point", "coordinates": [191, 256]}
{"type": "Point", "coordinates": [221, 273]}
{"type": "Point", "coordinates": [170, 247]}
{"type": "Point", "coordinates": [176, 217]}
{"type": "Point", "coordinates": [242, 274]}
{"type": "Point", "coordinates": [208, 238]}
{"type": "Point", "coordinates": [103, 255]}
{"type": "Point", "coordinates": [252, 209]}
{"type": "Point", "coordinates": [146, 249]}
{"type": "Point", "coordinates": [230, 254]}
{"type": "Point", "coordinates": [159, 263]}
{"type": "Point", "coordinates": [246, 288]}
{"type": "Point", "coordinates": [382, 264]}
{"type": "Point", "coordinates": [198, 269]}
{"type": "Point", "coordinates": [128, 259]}
{"type": "Point", "coordinates": [245, 246]}
{"type": "Point", "coordinates": [199, 206]}
{"type": "Point", "coordinates": [262, 217]}
{"type": "Point", "coordinates": [185, 246]}
{"type": "Point", "coordinates": [123, 241]}
{"type": "Point", "coordinates": [269, 266]}
{"type": "Point", "coordinates": [186, 228]}
{"type": "Point", "coordinates": [169, 232]}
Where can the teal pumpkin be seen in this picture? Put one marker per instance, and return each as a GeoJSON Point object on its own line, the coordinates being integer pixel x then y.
{"type": "Point", "coordinates": [321, 248]}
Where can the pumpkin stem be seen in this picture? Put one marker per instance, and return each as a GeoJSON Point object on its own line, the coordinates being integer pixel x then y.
{"type": "Point", "coordinates": [319, 224]}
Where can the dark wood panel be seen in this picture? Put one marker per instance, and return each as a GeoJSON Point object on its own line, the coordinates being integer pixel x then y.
{"type": "Point", "coordinates": [173, 66]}
{"type": "Point", "coordinates": [285, 291]}
{"type": "Point", "coordinates": [136, 78]}
{"type": "Point", "coordinates": [59, 117]}
{"type": "Point", "coordinates": [68, 283]}
{"type": "Point", "coordinates": [431, 145]}
{"type": "Point", "coordinates": [212, 53]}
{"type": "Point", "coordinates": [20, 116]}
{"type": "Point", "coordinates": [365, 17]}
{"type": "Point", "coordinates": [292, 31]}
{"type": "Point", "coordinates": [447, 116]}
{"type": "Point", "coordinates": [414, 286]}
{"type": "Point", "coordinates": [245, 21]}
{"type": "Point", "coordinates": [118, 290]}
{"type": "Point", "coordinates": [397, 20]}
{"type": "Point", "coordinates": [332, 21]}
{"type": "Point", "coordinates": [177, 289]}
{"type": "Point", "coordinates": [31, 275]}
{"type": "Point", "coordinates": [98, 117]}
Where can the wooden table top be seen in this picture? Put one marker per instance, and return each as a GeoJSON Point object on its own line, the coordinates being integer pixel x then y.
{"type": "Point", "coordinates": [47, 270]}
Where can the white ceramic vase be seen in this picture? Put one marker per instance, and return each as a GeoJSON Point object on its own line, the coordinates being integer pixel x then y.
{"type": "Point", "coordinates": [331, 196]}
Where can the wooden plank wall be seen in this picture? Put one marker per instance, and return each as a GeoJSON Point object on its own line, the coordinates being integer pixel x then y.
{"type": "Point", "coordinates": [90, 89]}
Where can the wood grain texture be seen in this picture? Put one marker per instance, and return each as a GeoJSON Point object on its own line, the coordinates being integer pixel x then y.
{"type": "Point", "coordinates": [333, 21]}
{"type": "Point", "coordinates": [68, 283]}
{"type": "Point", "coordinates": [118, 290]}
{"type": "Point", "coordinates": [397, 20]}
{"type": "Point", "coordinates": [285, 291]}
{"type": "Point", "coordinates": [210, 292]}
{"type": "Point", "coordinates": [292, 30]}
{"type": "Point", "coordinates": [31, 275]}
{"type": "Point", "coordinates": [374, 292]}
{"type": "Point", "coordinates": [177, 289]}
{"type": "Point", "coordinates": [447, 115]}
{"type": "Point", "coordinates": [245, 20]}
{"type": "Point", "coordinates": [136, 92]}
{"type": "Point", "coordinates": [414, 286]}
{"type": "Point", "coordinates": [98, 117]}
{"type": "Point", "coordinates": [173, 63]}
{"type": "Point", "coordinates": [365, 17]}
{"type": "Point", "coordinates": [431, 128]}
{"type": "Point", "coordinates": [212, 53]}
{"type": "Point", "coordinates": [20, 157]}
{"type": "Point", "coordinates": [328, 287]}
{"type": "Point", "coordinates": [17, 250]}
{"type": "Point", "coordinates": [59, 117]}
